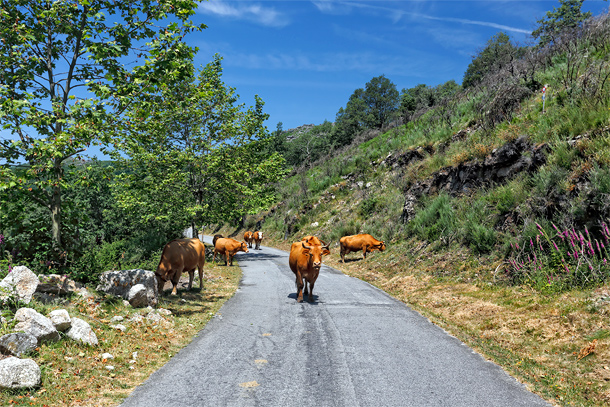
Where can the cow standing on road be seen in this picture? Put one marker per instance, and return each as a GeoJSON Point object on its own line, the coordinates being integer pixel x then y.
{"type": "Point", "coordinates": [258, 238]}
{"type": "Point", "coordinates": [228, 247]}
{"type": "Point", "coordinates": [364, 242]}
{"type": "Point", "coordinates": [249, 237]}
{"type": "Point", "coordinates": [305, 262]}
{"type": "Point", "coordinates": [178, 256]}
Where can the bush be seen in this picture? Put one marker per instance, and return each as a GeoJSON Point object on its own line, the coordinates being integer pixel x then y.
{"type": "Point", "coordinates": [436, 221]}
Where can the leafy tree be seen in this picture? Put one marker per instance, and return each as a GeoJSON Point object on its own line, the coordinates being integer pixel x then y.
{"type": "Point", "coordinates": [568, 16]}
{"type": "Point", "coordinates": [381, 99]}
{"type": "Point", "coordinates": [192, 153]}
{"type": "Point", "coordinates": [351, 120]}
{"type": "Point", "coordinates": [64, 81]}
{"type": "Point", "coordinates": [498, 53]}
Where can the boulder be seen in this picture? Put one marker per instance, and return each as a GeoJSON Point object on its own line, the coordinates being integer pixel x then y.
{"type": "Point", "coordinates": [81, 331]}
{"type": "Point", "coordinates": [36, 324]}
{"type": "Point", "coordinates": [137, 296]}
{"type": "Point", "coordinates": [18, 373]}
{"type": "Point", "coordinates": [17, 344]}
{"type": "Point", "coordinates": [20, 283]}
{"type": "Point", "coordinates": [56, 284]}
{"type": "Point", "coordinates": [120, 282]}
{"type": "Point", "coordinates": [60, 319]}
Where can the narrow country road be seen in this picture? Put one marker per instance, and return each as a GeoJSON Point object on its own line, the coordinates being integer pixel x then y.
{"type": "Point", "coordinates": [353, 346]}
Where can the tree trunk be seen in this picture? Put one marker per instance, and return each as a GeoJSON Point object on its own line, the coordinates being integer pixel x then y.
{"type": "Point", "coordinates": [56, 217]}
{"type": "Point", "coordinates": [55, 206]}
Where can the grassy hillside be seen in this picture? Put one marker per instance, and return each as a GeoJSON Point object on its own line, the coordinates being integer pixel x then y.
{"type": "Point", "coordinates": [515, 266]}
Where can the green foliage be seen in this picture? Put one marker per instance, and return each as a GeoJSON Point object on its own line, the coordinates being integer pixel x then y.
{"type": "Point", "coordinates": [568, 16]}
{"type": "Point", "coordinates": [60, 48]}
{"type": "Point", "coordinates": [474, 229]}
{"type": "Point", "coordinates": [498, 52]}
{"type": "Point", "coordinates": [506, 198]}
{"type": "Point", "coordinates": [435, 221]}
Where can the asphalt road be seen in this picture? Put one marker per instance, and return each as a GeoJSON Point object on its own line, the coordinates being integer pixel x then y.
{"type": "Point", "coordinates": [353, 346]}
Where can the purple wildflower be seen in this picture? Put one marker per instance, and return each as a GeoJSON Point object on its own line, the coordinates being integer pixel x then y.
{"type": "Point", "coordinates": [10, 268]}
{"type": "Point", "coordinates": [555, 245]}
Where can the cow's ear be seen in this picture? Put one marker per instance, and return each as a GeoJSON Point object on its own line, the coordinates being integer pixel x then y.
{"type": "Point", "coordinates": [325, 251]}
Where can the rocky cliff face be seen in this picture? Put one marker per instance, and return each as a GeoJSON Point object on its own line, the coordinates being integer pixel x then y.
{"type": "Point", "coordinates": [500, 166]}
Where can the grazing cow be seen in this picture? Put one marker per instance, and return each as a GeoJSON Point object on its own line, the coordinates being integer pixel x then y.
{"type": "Point", "coordinates": [364, 242]}
{"type": "Point", "coordinates": [215, 238]}
{"type": "Point", "coordinates": [258, 238]}
{"type": "Point", "coordinates": [228, 247]}
{"type": "Point", "coordinates": [178, 256]}
{"type": "Point", "coordinates": [305, 262]}
{"type": "Point", "coordinates": [249, 237]}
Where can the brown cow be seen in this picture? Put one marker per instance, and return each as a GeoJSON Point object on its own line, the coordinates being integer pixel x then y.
{"type": "Point", "coordinates": [258, 238]}
{"type": "Point", "coordinates": [249, 237]}
{"type": "Point", "coordinates": [364, 242]}
{"type": "Point", "coordinates": [178, 256]}
{"type": "Point", "coordinates": [305, 262]}
{"type": "Point", "coordinates": [228, 247]}
{"type": "Point", "coordinates": [215, 238]}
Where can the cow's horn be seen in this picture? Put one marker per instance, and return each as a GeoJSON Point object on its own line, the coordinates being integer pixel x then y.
{"type": "Point", "coordinates": [305, 247]}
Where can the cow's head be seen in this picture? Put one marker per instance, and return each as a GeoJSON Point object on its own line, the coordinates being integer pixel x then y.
{"type": "Point", "coordinates": [161, 277]}
{"type": "Point", "coordinates": [315, 253]}
{"type": "Point", "coordinates": [244, 246]}
{"type": "Point", "coordinates": [381, 246]}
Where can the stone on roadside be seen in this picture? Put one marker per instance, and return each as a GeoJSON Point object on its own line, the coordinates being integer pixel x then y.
{"type": "Point", "coordinates": [56, 284]}
{"type": "Point", "coordinates": [60, 319]}
{"type": "Point", "coordinates": [120, 282]}
{"type": "Point", "coordinates": [18, 373]}
{"type": "Point", "coordinates": [107, 356]}
{"type": "Point", "coordinates": [81, 331]}
{"type": "Point", "coordinates": [137, 296]}
{"type": "Point", "coordinates": [17, 344]}
{"type": "Point", "coordinates": [36, 324]}
{"type": "Point", "coordinates": [19, 284]}
{"type": "Point", "coordinates": [116, 318]}
{"type": "Point", "coordinates": [119, 327]}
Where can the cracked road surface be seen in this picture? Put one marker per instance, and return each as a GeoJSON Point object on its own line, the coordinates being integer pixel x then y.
{"type": "Point", "coordinates": [353, 346]}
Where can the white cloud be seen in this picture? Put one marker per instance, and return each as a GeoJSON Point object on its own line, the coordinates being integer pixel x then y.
{"type": "Point", "coordinates": [254, 12]}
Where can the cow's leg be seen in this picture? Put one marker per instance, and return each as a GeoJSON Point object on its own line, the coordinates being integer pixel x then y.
{"type": "Point", "coordinates": [200, 268]}
{"type": "Point", "coordinates": [311, 283]}
{"type": "Point", "coordinates": [230, 258]}
{"type": "Point", "coordinates": [364, 251]}
{"type": "Point", "coordinates": [214, 258]}
{"type": "Point", "coordinates": [191, 278]}
{"type": "Point", "coordinates": [343, 254]}
{"type": "Point", "coordinates": [175, 280]}
{"type": "Point", "coordinates": [299, 288]}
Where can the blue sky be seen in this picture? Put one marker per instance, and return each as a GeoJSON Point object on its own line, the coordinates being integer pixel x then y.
{"type": "Point", "coordinates": [305, 58]}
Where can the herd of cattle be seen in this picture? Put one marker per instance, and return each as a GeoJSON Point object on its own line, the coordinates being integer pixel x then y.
{"type": "Point", "coordinates": [305, 260]}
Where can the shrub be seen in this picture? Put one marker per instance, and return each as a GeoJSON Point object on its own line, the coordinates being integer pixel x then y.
{"type": "Point", "coordinates": [436, 221]}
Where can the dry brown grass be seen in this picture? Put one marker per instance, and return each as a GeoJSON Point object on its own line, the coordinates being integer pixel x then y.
{"type": "Point", "coordinates": [75, 375]}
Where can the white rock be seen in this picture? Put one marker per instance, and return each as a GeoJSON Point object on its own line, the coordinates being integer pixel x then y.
{"type": "Point", "coordinates": [18, 373]}
{"type": "Point", "coordinates": [117, 318]}
{"type": "Point", "coordinates": [119, 327]}
{"type": "Point", "coordinates": [20, 283]}
{"type": "Point", "coordinates": [107, 356]}
{"type": "Point", "coordinates": [163, 311]}
{"type": "Point", "coordinates": [60, 319]}
{"type": "Point", "coordinates": [138, 296]}
{"type": "Point", "coordinates": [36, 324]}
{"type": "Point", "coordinates": [81, 331]}
{"type": "Point", "coordinates": [110, 367]}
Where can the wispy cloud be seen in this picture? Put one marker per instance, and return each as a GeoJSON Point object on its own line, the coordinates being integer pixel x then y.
{"type": "Point", "coordinates": [397, 13]}
{"type": "Point", "coordinates": [254, 12]}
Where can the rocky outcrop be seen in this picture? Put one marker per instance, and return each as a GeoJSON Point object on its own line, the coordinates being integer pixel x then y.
{"type": "Point", "coordinates": [18, 373]}
{"type": "Point", "coordinates": [500, 166]}
{"type": "Point", "coordinates": [19, 284]}
{"type": "Point", "coordinates": [121, 282]}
